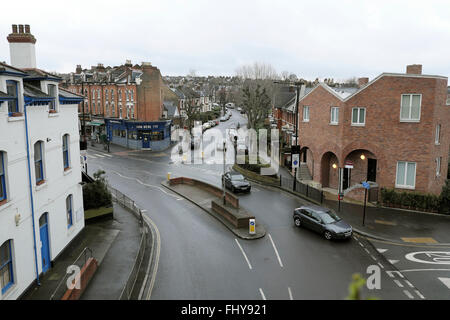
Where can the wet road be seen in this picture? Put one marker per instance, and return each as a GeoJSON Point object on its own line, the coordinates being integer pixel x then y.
{"type": "Point", "coordinates": [202, 259]}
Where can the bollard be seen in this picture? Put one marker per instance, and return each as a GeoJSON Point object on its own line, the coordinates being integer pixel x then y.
{"type": "Point", "coordinates": [251, 226]}
{"type": "Point", "coordinates": [168, 176]}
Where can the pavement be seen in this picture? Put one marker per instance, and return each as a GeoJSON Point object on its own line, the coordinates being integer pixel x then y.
{"type": "Point", "coordinates": [392, 224]}
{"type": "Point", "coordinates": [114, 244]}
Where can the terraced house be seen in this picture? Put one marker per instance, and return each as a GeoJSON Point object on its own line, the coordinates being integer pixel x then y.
{"type": "Point", "coordinates": [123, 103]}
{"type": "Point", "coordinates": [393, 131]}
{"type": "Point", "coordinates": [41, 201]}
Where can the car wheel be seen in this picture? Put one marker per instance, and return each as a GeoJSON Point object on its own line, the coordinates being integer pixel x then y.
{"type": "Point", "coordinates": [327, 235]}
{"type": "Point", "coordinates": [297, 222]}
{"type": "Point", "coordinates": [233, 189]}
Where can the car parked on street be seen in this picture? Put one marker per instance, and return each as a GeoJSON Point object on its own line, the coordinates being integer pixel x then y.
{"type": "Point", "coordinates": [323, 221]}
{"type": "Point", "coordinates": [236, 182]}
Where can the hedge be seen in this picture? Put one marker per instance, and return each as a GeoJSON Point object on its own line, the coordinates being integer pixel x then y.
{"type": "Point", "coordinates": [410, 200]}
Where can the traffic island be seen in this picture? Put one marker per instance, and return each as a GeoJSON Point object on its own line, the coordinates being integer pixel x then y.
{"type": "Point", "coordinates": [210, 199]}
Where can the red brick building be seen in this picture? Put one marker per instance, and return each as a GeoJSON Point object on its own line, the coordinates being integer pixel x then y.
{"type": "Point", "coordinates": [393, 130]}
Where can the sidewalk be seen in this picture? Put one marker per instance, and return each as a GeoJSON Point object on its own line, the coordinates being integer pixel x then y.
{"type": "Point", "coordinates": [114, 244]}
{"type": "Point", "coordinates": [388, 224]}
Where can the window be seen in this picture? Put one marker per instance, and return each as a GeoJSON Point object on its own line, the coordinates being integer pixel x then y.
{"type": "Point", "coordinates": [113, 109]}
{"type": "Point", "coordinates": [11, 89]}
{"type": "Point", "coordinates": [410, 107]}
{"type": "Point", "coordinates": [93, 94]}
{"type": "Point", "coordinates": [51, 89]}
{"type": "Point", "coordinates": [93, 108]}
{"type": "Point", "coordinates": [438, 166]}
{"type": "Point", "coordinates": [66, 151]}
{"type": "Point", "coordinates": [2, 177]}
{"type": "Point", "coordinates": [38, 168]}
{"type": "Point", "coordinates": [6, 266]}
{"type": "Point", "coordinates": [106, 109]}
{"type": "Point", "coordinates": [358, 116]}
{"type": "Point", "coordinates": [69, 211]}
{"type": "Point", "coordinates": [305, 113]}
{"type": "Point", "coordinates": [437, 139]}
{"type": "Point", "coordinates": [334, 115]}
{"type": "Point", "coordinates": [406, 175]}
{"type": "Point", "coordinates": [106, 94]}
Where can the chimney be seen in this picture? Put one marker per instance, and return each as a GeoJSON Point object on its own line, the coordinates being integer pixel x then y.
{"type": "Point", "coordinates": [78, 69]}
{"type": "Point", "coordinates": [21, 47]}
{"type": "Point", "coordinates": [362, 82]}
{"type": "Point", "coordinates": [414, 69]}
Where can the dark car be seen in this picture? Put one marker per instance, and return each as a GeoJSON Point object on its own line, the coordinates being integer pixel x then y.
{"type": "Point", "coordinates": [236, 182]}
{"type": "Point", "coordinates": [322, 220]}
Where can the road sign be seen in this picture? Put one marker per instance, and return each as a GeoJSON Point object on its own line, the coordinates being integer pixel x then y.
{"type": "Point", "coordinates": [341, 196]}
{"type": "Point", "coordinates": [252, 226]}
{"type": "Point", "coordinates": [349, 164]}
{"type": "Point", "coordinates": [366, 185]}
{"type": "Point", "coordinates": [295, 160]}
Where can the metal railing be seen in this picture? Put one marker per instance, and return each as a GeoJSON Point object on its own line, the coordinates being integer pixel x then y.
{"type": "Point", "coordinates": [80, 261]}
{"type": "Point", "coordinates": [129, 203]}
{"type": "Point", "coordinates": [302, 188]}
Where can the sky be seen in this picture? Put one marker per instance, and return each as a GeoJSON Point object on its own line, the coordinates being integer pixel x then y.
{"type": "Point", "coordinates": [312, 39]}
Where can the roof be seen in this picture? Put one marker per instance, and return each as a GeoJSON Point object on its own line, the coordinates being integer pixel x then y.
{"type": "Point", "coordinates": [34, 92]}
{"type": "Point", "coordinates": [70, 95]}
{"type": "Point", "coordinates": [34, 73]}
{"type": "Point", "coordinates": [5, 68]}
{"type": "Point", "coordinates": [171, 109]}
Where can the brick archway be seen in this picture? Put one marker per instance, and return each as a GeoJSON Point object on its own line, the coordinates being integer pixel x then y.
{"type": "Point", "coordinates": [328, 173]}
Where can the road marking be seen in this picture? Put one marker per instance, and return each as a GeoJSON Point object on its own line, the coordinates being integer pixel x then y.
{"type": "Point", "coordinates": [419, 240]}
{"type": "Point", "coordinates": [391, 273]}
{"type": "Point", "coordinates": [373, 257]}
{"type": "Point", "coordinates": [99, 155]}
{"type": "Point", "coordinates": [276, 251]}
{"type": "Point", "coordinates": [419, 294]}
{"type": "Point", "coordinates": [379, 263]}
{"type": "Point", "coordinates": [445, 281]}
{"type": "Point", "coordinates": [414, 270]}
{"type": "Point", "coordinates": [382, 250]}
{"type": "Point", "coordinates": [397, 282]}
{"type": "Point", "coordinates": [290, 293]}
{"type": "Point", "coordinates": [245, 256]}
{"type": "Point", "coordinates": [91, 157]}
{"type": "Point", "coordinates": [393, 261]}
{"type": "Point", "coordinates": [262, 294]}
{"type": "Point", "coordinates": [157, 254]}
{"type": "Point", "coordinates": [388, 223]}
{"type": "Point", "coordinates": [361, 244]}
{"type": "Point", "coordinates": [409, 283]}
{"type": "Point", "coordinates": [432, 257]}
{"type": "Point", "coordinates": [367, 250]}
{"type": "Point", "coordinates": [408, 294]}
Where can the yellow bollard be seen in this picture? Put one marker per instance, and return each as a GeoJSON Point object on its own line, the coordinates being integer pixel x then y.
{"type": "Point", "coordinates": [168, 176]}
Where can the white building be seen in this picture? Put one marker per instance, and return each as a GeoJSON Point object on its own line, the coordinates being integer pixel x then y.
{"type": "Point", "coordinates": [41, 200]}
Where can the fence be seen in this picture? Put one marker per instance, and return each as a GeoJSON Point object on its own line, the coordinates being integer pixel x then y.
{"type": "Point", "coordinates": [128, 203]}
{"type": "Point", "coordinates": [304, 189]}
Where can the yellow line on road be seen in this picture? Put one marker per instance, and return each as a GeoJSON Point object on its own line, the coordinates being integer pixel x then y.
{"type": "Point", "coordinates": [388, 223]}
{"type": "Point", "coordinates": [419, 240]}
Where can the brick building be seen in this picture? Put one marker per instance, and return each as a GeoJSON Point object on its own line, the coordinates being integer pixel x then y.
{"type": "Point", "coordinates": [124, 103]}
{"type": "Point", "coordinates": [393, 130]}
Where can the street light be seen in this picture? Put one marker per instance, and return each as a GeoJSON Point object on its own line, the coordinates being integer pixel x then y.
{"type": "Point", "coordinates": [223, 177]}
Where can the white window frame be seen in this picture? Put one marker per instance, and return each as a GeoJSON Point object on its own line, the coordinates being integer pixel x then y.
{"type": "Point", "coordinates": [306, 108]}
{"type": "Point", "coordinates": [336, 120]}
{"type": "Point", "coordinates": [437, 138]}
{"type": "Point", "coordinates": [410, 102]}
{"type": "Point", "coordinates": [359, 124]}
{"type": "Point", "coordinates": [404, 186]}
{"type": "Point", "coordinates": [438, 166]}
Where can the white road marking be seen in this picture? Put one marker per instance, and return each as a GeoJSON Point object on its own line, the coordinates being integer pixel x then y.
{"type": "Point", "coordinates": [91, 157]}
{"type": "Point", "coordinates": [445, 281]}
{"type": "Point", "coordinates": [419, 294]}
{"type": "Point", "coordinates": [99, 155]}
{"type": "Point", "coordinates": [382, 250]}
{"type": "Point", "coordinates": [408, 294]}
{"type": "Point", "coordinates": [276, 251]}
{"type": "Point", "coordinates": [393, 261]}
{"type": "Point", "coordinates": [375, 259]}
{"type": "Point", "coordinates": [365, 249]}
{"type": "Point", "coordinates": [409, 283]}
{"type": "Point", "coordinates": [157, 254]}
{"type": "Point", "coordinates": [397, 282]}
{"type": "Point", "coordinates": [391, 274]}
{"type": "Point", "coordinates": [262, 294]}
{"type": "Point", "coordinates": [290, 293]}
{"type": "Point", "coordinates": [361, 244]}
{"type": "Point", "coordinates": [413, 270]}
{"type": "Point", "coordinates": [245, 256]}
{"type": "Point", "coordinates": [382, 267]}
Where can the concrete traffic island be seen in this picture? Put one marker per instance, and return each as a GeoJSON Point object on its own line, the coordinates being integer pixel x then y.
{"type": "Point", "coordinates": [209, 198]}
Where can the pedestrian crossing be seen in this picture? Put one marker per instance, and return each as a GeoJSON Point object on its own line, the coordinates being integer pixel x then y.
{"type": "Point", "coordinates": [98, 155]}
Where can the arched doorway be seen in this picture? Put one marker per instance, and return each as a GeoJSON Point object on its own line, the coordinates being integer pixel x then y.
{"type": "Point", "coordinates": [329, 170]}
{"type": "Point", "coordinates": [44, 236]}
{"type": "Point", "coordinates": [361, 166]}
{"type": "Point", "coordinates": [306, 164]}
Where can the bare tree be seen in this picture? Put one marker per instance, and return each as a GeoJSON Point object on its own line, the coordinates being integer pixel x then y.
{"type": "Point", "coordinates": [256, 104]}
{"type": "Point", "coordinates": [192, 111]}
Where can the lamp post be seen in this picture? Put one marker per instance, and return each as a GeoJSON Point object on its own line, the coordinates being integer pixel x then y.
{"type": "Point", "coordinates": [223, 177]}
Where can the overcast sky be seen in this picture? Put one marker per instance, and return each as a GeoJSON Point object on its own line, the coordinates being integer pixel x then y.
{"type": "Point", "coordinates": [338, 39]}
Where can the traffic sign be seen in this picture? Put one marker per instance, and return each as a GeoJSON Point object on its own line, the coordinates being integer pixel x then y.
{"type": "Point", "coordinates": [252, 226]}
{"type": "Point", "coordinates": [341, 196]}
{"type": "Point", "coordinates": [366, 185]}
{"type": "Point", "coordinates": [295, 160]}
{"type": "Point", "coordinates": [349, 164]}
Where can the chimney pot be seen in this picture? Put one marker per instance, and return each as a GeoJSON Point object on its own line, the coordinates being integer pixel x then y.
{"type": "Point", "coordinates": [414, 69]}
{"type": "Point", "coordinates": [20, 28]}
{"type": "Point", "coordinates": [14, 28]}
{"type": "Point", "coordinates": [27, 28]}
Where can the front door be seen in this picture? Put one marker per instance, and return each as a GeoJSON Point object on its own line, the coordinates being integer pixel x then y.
{"type": "Point", "coordinates": [45, 246]}
{"type": "Point", "coordinates": [346, 179]}
{"type": "Point", "coordinates": [145, 140]}
{"type": "Point", "coordinates": [372, 170]}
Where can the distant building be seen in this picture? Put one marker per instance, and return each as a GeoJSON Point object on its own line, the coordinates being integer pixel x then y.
{"type": "Point", "coordinates": [123, 104]}
{"type": "Point", "coordinates": [41, 200]}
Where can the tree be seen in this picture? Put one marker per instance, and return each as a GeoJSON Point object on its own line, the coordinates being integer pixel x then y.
{"type": "Point", "coordinates": [444, 198]}
{"type": "Point", "coordinates": [222, 99]}
{"type": "Point", "coordinates": [256, 104]}
{"type": "Point", "coordinates": [96, 194]}
{"type": "Point", "coordinates": [192, 111]}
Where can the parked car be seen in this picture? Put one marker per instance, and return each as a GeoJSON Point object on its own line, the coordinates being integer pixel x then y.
{"type": "Point", "coordinates": [217, 121]}
{"type": "Point", "coordinates": [212, 123]}
{"type": "Point", "coordinates": [322, 220]}
{"type": "Point", "coordinates": [223, 118]}
{"type": "Point", "coordinates": [239, 109]}
{"type": "Point", "coordinates": [242, 111]}
{"type": "Point", "coordinates": [236, 182]}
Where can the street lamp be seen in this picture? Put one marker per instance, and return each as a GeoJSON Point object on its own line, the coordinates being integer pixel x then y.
{"type": "Point", "coordinates": [223, 177]}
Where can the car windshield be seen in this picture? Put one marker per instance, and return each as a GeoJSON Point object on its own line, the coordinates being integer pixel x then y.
{"type": "Point", "coordinates": [329, 217]}
{"type": "Point", "coordinates": [237, 177]}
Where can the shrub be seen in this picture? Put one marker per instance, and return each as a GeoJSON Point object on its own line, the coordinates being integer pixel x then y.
{"type": "Point", "coordinates": [96, 194]}
{"type": "Point", "coordinates": [444, 198]}
{"type": "Point", "coordinates": [412, 200]}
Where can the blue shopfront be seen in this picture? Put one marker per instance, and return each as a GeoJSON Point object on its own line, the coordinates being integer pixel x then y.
{"type": "Point", "coordinates": [138, 135]}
